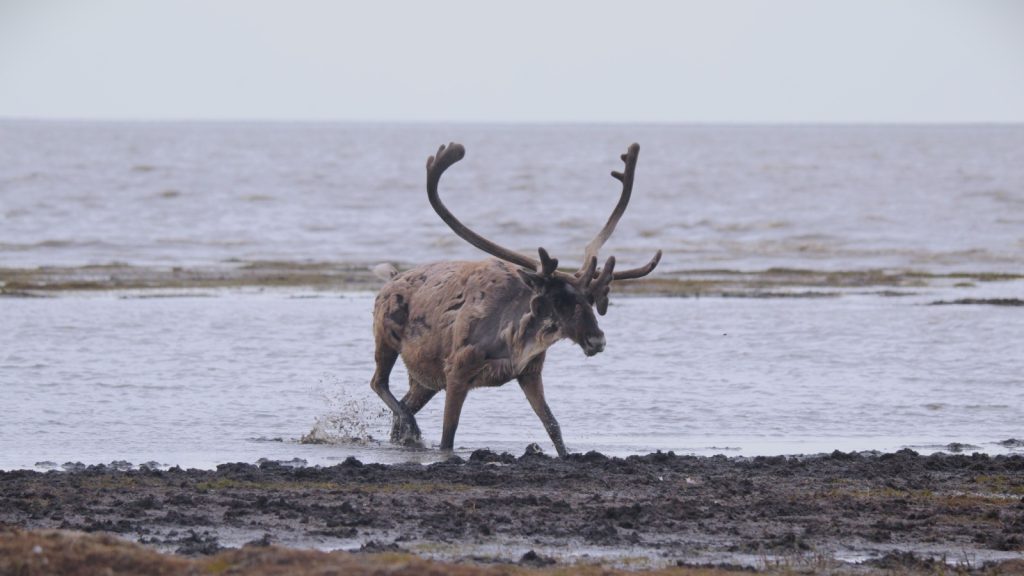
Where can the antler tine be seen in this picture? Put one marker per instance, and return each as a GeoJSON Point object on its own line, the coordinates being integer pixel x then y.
{"type": "Point", "coordinates": [586, 275]}
{"type": "Point", "coordinates": [640, 272]}
{"type": "Point", "coordinates": [607, 272]}
{"type": "Point", "coordinates": [548, 265]}
{"type": "Point", "coordinates": [602, 285]}
{"type": "Point", "coordinates": [626, 177]}
{"type": "Point", "coordinates": [436, 165]}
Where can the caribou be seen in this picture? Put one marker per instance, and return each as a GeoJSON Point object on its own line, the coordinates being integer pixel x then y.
{"type": "Point", "coordinates": [464, 325]}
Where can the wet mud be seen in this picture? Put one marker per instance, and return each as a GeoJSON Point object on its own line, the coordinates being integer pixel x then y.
{"type": "Point", "coordinates": [357, 276]}
{"type": "Point", "coordinates": [980, 301]}
{"type": "Point", "coordinates": [849, 510]}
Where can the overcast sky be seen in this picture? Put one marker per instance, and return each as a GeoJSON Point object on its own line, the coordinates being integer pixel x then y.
{"type": "Point", "coordinates": [523, 61]}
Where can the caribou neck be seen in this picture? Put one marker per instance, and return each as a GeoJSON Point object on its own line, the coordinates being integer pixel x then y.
{"type": "Point", "coordinates": [520, 338]}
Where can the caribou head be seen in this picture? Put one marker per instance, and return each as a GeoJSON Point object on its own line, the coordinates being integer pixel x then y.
{"type": "Point", "coordinates": [462, 325]}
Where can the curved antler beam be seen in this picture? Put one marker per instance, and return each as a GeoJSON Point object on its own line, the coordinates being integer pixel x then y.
{"type": "Point", "coordinates": [436, 165]}
{"type": "Point", "coordinates": [640, 272]}
{"type": "Point", "coordinates": [626, 177]}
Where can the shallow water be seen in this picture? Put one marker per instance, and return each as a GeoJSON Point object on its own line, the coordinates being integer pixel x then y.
{"type": "Point", "coordinates": [237, 376]}
{"type": "Point", "coordinates": [220, 376]}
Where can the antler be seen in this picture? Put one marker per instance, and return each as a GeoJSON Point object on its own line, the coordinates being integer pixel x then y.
{"type": "Point", "coordinates": [598, 291]}
{"type": "Point", "coordinates": [599, 288]}
{"type": "Point", "coordinates": [626, 177]}
{"type": "Point", "coordinates": [547, 266]}
{"type": "Point", "coordinates": [640, 272]}
{"type": "Point", "coordinates": [436, 165]}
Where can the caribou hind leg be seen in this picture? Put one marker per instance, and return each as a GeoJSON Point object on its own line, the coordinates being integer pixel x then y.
{"type": "Point", "coordinates": [385, 356]}
{"type": "Point", "coordinates": [414, 400]}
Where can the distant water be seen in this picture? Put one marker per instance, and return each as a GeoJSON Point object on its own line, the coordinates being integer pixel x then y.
{"type": "Point", "coordinates": [201, 377]}
{"type": "Point", "coordinates": [935, 199]}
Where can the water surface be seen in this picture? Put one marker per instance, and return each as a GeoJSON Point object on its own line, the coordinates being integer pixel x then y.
{"type": "Point", "coordinates": [929, 198]}
{"type": "Point", "coordinates": [195, 376]}
{"type": "Point", "coordinates": [197, 381]}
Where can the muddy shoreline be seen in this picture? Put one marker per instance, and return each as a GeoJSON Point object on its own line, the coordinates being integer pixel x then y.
{"type": "Point", "coordinates": [333, 276]}
{"type": "Point", "coordinates": [843, 509]}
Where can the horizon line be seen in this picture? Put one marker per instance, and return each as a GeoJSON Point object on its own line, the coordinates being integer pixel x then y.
{"type": "Point", "coordinates": [465, 122]}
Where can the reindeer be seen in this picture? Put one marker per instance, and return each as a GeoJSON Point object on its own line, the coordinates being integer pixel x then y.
{"type": "Point", "coordinates": [463, 325]}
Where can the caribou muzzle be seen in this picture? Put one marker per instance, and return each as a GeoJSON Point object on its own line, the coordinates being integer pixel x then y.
{"type": "Point", "coordinates": [593, 344]}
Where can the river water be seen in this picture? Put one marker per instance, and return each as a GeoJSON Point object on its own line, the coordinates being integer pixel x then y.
{"type": "Point", "coordinates": [201, 377]}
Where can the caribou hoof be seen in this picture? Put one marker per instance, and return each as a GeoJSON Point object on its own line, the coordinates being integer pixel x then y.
{"type": "Point", "coordinates": [406, 432]}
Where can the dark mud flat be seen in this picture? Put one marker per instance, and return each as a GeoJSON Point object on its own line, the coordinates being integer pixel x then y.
{"type": "Point", "coordinates": [357, 276]}
{"type": "Point", "coordinates": [900, 511]}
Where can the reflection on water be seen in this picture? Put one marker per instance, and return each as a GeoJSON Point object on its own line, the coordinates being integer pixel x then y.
{"type": "Point", "coordinates": [240, 376]}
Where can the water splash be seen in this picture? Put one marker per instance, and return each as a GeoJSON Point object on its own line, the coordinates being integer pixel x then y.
{"type": "Point", "coordinates": [353, 417]}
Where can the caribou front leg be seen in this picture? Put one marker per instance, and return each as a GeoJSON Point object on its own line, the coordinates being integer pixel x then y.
{"type": "Point", "coordinates": [454, 398]}
{"type": "Point", "coordinates": [533, 387]}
